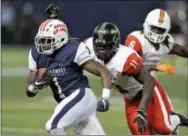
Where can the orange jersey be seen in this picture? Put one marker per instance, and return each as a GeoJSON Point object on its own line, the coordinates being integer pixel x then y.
{"type": "Point", "coordinates": [125, 63]}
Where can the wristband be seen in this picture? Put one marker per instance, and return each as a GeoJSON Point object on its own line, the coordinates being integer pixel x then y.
{"type": "Point", "coordinates": [106, 93]}
{"type": "Point", "coordinates": [32, 88]}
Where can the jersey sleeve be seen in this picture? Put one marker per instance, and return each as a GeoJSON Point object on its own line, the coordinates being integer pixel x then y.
{"type": "Point", "coordinates": [133, 42]}
{"type": "Point", "coordinates": [32, 62]}
{"type": "Point", "coordinates": [133, 65]}
{"type": "Point", "coordinates": [83, 54]}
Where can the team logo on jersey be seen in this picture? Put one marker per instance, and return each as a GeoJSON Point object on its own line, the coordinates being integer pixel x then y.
{"type": "Point", "coordinates": [58, 72]}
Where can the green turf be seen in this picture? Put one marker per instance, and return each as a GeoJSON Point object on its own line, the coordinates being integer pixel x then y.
{"type": "Point", "coordinates": [34, 112]}
{"type": "Point", "coordinates": [23, 115]}
{"type": "Point", "coordinates": [15, 57]}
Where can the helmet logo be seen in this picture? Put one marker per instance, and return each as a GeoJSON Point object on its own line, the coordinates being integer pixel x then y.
{"type": "Point", "coordinates": [161, 16]}
{"type": "Point", "coordinates": [59, 28]}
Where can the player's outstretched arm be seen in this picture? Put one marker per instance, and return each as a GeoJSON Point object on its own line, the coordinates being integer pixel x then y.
{"type": "Point", "coordinates": [181, 51]}
{"type": "Point", "coordinates": [98, 69]}
{"type": "Point", "coordinates": [148, 82]}
{"type": "Point", "coordinates": [30, 90]}
{"type": "Point", "coordinates": [148, 86]}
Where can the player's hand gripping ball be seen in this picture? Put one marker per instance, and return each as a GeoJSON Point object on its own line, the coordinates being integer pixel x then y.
{"type": "Point", "coordinates": [42, 78]}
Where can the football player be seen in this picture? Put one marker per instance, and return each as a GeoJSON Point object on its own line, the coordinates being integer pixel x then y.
{"type": "Point", "coordinates": [152, 44]}
{"type": "Point", "coordinates": [65, 60]}
{"type": "Point", "coordinates": [123, 63]}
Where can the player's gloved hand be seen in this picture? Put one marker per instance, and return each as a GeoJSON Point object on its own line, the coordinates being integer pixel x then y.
{"type": "Point", "coordinates": [31, 91]}
{"type": "Point", "coordinates": [141, 120]}
{"type": "Point", "coordinates": [41, 80]}
{"type": "Point", "coordinates": [40, 84]}
{"type": "Point", "coordinates": [103, 105]}
{"type": "Point", "coordinates": [169, 69]}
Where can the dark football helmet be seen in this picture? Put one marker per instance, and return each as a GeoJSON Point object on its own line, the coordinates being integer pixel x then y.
{"type": "Point", "coordinates": [52, 11]}
{"type": "Point", "coordinates": [106, 40]}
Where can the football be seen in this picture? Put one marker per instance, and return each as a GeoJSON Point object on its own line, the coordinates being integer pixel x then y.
{"type": "Point", "coordinates": [43, 77]}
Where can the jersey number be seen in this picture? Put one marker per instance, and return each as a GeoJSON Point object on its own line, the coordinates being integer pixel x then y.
{"type": "Point", "coordinates": [61, 95]}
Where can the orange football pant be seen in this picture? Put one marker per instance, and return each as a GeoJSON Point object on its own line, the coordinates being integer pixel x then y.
{"type": "Point", "coordinates": [158, 113]}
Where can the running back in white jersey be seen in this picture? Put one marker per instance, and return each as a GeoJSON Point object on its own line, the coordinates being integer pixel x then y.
{"type": "Point", "coordinates": [125, 63]}
{"type": "Point", "coordinates": [146, 49]}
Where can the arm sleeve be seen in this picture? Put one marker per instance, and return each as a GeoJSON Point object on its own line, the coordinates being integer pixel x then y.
{"type": "Point", "coordinates": [32, 62]}
{"type": "Point", "coordinates": [133, 42]}
{"type": "Point", "coordinates": [83, 54]}
{"type": "Point", "coordinates": [133, 65]}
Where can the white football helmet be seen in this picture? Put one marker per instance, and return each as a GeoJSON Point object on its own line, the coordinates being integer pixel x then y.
{"type": "Point", "coordinates": [52, 35]}
{"type": "Point", "coordinates": [157, 25]}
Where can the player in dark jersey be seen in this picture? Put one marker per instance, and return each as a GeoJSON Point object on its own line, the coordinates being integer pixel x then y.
{"type": "Point", "coordinates": [65, 60]}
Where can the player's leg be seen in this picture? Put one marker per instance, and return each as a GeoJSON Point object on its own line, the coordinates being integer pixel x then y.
{"type": "Point", "coordinates": [131, 107]}
{"type": "Point", "coordinates": [78, 106]}
{"type": "Point", "coordinates": [89, 126]}
{"type": "Point", "coordinates": [167, 102]}
{"type": "Point", "coordinates": [165, 97]}
{"type": "Point", "coordinates": [163, 121]}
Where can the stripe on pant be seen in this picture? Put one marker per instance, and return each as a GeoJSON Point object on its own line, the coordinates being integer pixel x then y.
{"type": "Point", "coordinates": [67, 107]}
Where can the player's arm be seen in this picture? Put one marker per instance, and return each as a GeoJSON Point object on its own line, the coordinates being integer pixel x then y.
{"type": "Point", "coordinates": [85, 59]}
{"type": "Point", "coordinates": [100, 70]}
{"type": "Point", "coordinates": [148, 82]}
{"type": "Point", "coordinates": [179, 50]}
{"type": "Point", "coordinates": [134, 67]}
{"type": "Point", "coordinates": [30, 88]}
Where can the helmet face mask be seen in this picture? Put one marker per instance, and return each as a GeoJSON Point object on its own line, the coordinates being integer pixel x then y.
{"type": "Point", "coordinates": [157, 26]}
{"type": "Point", "coordinates": [45, 45]}
{"type": "Point", "coordinates": [106, 39]}
{"type": "Point", "coordinates": [104, 51]}
{"type": "Point", "coordinates": [52, 37]}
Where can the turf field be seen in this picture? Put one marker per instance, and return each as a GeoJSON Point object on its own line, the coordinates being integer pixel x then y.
{"type": "Point", "coordinates": [22, 115]}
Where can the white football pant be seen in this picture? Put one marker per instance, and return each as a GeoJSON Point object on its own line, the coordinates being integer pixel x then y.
{"type": "Point", "coordinates": [76, 111]}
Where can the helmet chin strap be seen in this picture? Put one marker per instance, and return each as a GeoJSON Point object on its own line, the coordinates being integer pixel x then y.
{"type": "Point", "coordinates": [156, 45]}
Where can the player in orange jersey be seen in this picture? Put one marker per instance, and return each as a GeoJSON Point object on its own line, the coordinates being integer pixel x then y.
{"type": "Point", "coordinates": [152, 44]}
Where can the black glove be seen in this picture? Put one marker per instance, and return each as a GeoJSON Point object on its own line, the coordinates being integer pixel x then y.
{"type": "Point", "coordinates": [103, 105]}
{"type": "Point", "coordinates": [41, 84]}
{"type": "Point", "coordinates": [52, 11]}
{"type": "Point", "coordinates": [141, 120]}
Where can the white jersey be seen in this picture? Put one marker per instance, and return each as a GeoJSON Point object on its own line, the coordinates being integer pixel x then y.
{"type": "Point", "coordinates": [126, 62]}
{"type": "Point", "coordinates": [147, 51]}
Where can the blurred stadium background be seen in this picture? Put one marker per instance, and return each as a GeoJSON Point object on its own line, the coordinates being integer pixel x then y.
{"type": "Point", "coordinates": [19, 23]}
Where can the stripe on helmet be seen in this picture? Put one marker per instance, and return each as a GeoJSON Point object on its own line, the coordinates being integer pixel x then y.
{"type": "Point", "coordinates": [161, 16]}
{"type": "Point", "coordinates": [101, 29]}
{"type": "Point", "coordinates": [43, 25]}
{"type": "Point", "coordinates": [47, 22]}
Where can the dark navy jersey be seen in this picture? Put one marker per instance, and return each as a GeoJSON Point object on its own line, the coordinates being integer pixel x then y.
{"type": "Point", "coordinates": [65, 67]}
